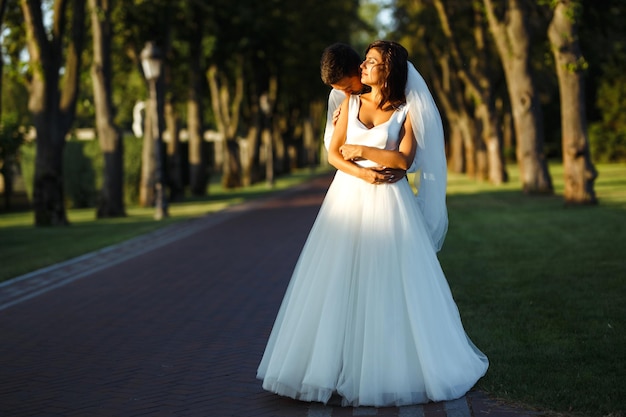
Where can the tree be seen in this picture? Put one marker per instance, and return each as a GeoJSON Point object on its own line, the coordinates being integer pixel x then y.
{"type": "Point", "coordinates": [11, 138]}
{"type": "Point", "coordinates": [479, 81]}
{"type": "Point", "coordinates": [3, 6]}
{"type": "Point", "coordinates": [579, 171]}
{"type": "Point", "coordinates": [198, 179]}
{"type": "Point", "coordinates": [111, 201]}
{"type": "Point", "coordinates": [512, 38]}
{"type": "Point", "coordinates": [51, 102]}
{"type": "Point", "coordinates": [420, 30]}
{"type": "Point", "coordinates": [142, 22]}
{"type": "Point", "coordinates": [226, 98]}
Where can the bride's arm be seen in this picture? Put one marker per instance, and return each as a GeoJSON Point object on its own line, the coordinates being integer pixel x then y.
{"type": "Point", "coordinates": [400, 159]}
{"type": "Point", "coordinates": [336, 159]}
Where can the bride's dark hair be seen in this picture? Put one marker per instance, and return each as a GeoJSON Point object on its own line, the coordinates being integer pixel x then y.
{"type": "Point", "coordinates": [395, 71]}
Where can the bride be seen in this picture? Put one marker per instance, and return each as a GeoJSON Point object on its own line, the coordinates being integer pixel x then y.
{"type": "Point", "coordinates": [368, 314]}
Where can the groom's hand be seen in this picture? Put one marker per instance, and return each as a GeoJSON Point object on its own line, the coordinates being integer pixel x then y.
{"type": "Point", "coordinates": [336, 115]}
{"type": "Point", "coordinates": [390, 175]}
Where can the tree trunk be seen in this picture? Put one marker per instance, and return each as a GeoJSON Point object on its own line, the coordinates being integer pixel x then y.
{"type": "Point", "coordinates": [316, 113]}
{"type": "Point", "coordinates": [492, 138]}
{"type": "Point", "coordinates": [198, 178]}
{"type": "Point", "coordinates": [282, 128]}
{"type": "Point", "coordinates": [251, 165]}
{"type": "Point", "coordinates": [3, 6]}
{"type": "Point", "coordinates": [148, 165]}
{"type": "Point", "coordinates": [579, 171]}
{"type": "Point", "coordinates": [513, 43]}
{"type": "Point", "coordinates": [111, 201]}
{"type": "Point", "coordinates": [226, 112]}
{"type": "Point", "coordinates": [480, 148]}
{"type": "Point", "coordinates": [456, 158]}
{"type": "Point", "coordinates": [174, 160]}
{"type": "Point", "coordinates": [53, 109]}
{"type": "Point", "coordinates": [232, 164]}
{"type": "Point", "coordinates": [455, 109]}
{"type": "Point", "coordinates": [7, 161]}
{"type": "Point", "coordinates": [267, 104]}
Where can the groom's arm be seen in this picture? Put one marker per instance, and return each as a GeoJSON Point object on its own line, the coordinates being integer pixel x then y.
{"type": "Point", "coordinates": [335, 98]}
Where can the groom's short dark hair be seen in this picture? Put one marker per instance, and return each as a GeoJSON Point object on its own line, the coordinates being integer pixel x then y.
{"type": "Point", "coordinates": [339, 61]}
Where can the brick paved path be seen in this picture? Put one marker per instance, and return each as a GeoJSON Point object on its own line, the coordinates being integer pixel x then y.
{"type": "Point", "coordinates": [170, 324]}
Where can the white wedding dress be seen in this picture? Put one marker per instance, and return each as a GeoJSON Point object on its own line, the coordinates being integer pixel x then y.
{"type": "Point", "coordinates": [368, 313]}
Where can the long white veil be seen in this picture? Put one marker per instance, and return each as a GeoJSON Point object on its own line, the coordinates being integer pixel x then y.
{"type": "Point", "coordinates": [429, 165]}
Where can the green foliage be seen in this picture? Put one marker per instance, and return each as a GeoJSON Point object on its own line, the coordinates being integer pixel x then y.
{"type": "Point", "coordinates": [11, 137]}
{"type": "Point", "coordinates": [132, 168]}
{"type": "Point", "coordinates": [83, 170]}
{"type": "Point", "coordinates": [14, 97]}
{"type": "Point", "coordinates": [579, 66]}
{"type": "Point", "coordinates": [607, 138]}
{"type": "Point", "coordinates": [79, 176]}
{"type": "Point", "coordinates": [27, 154]}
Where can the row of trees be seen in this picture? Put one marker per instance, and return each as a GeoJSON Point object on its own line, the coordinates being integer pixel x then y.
{"type": "Point", "coordinates": [253, 64]}
{"type": "Point", "coordinates": [249, 69]}
{"type": "Point", "coordinates": [480, 60]}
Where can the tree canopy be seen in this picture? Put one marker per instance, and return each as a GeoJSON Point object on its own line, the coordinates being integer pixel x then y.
{"type": "Point", "coordinates": [268, 52]}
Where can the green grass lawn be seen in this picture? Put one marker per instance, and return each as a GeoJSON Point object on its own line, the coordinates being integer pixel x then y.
{"type": "Point", "coordinates": [542, 290]}
{"type": "Point", "coordinates": [540, 286]}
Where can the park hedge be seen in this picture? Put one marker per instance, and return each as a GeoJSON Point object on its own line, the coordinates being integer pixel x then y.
{"type": "Point", "coordinates": [83, 170]}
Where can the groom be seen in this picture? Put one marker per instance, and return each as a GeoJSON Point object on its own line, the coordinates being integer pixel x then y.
{"type": "Point", "coordinates": [340, 69]}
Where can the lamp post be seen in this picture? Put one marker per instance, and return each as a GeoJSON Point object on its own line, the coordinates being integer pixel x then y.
{"type": "Point", "coordinates": [151, 63]}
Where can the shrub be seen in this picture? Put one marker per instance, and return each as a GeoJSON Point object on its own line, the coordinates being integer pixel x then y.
{"type": "Point", "coordinates": [79, 176]}
{"type": "Point", "coordinates": [607, 138]}
{"type": "Point", "coordinates": [83, 167]}
{"type": "Point", "coordinates": [27, 166]}
{"type": "Point", "coordinates": [132, 168]}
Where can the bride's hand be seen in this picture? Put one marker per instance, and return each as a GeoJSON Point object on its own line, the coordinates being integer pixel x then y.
{"type": "Point", "coordinates": [351, 152]}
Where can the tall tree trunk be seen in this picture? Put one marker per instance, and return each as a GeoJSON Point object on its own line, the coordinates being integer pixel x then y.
{"type": "Point", "coordinates": [456, 158]}
{"type": "Point", "coordinates": [153, 160]}
{"type": "Point", "coordinates": [226, 110]}
{"type": "Point", "coordinates": [198, 178]}
{"type": "Point", "coordinates": [268, 106]}
{"type": "Point", "coordinates": [3, 6]}
{"type": "Point", "coordinates": [492, 138]}
{"type": "Point", "coordinates": [111, 201]}
{"type": "Point", "coordinates": [463, 151]}
{"type": "Point", "coordinates": [173, 156]}
{"type": "Point", "coordinates": [316, 113]}
{"type": "Point", "coordinates": [512, 40]}
{"type": "Point", "coordinates": [283, 129]}
{"type": "Point", "coordinates": [148, 163]}
{"type": "Point", "coordinates": [53, 109]}
{"type": "Point", "coordinates": [250, 166]}
{"type": "Point", "coordinates": [579, 171]}
{"type": "Point", "coordinates": [6, 162]}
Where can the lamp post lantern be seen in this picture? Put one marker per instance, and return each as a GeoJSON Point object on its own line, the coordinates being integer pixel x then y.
{"type": "Point", "coordinates": [151, 63]}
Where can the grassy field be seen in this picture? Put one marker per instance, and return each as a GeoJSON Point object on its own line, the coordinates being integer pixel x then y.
{"type": "Point", "coordinates": [540, 286]}
{"type": "Point", "coordinates": [542, 289]}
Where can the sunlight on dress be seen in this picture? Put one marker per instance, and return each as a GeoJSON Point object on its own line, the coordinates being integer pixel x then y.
{"type": "Point", "coordinates": [368, 313]}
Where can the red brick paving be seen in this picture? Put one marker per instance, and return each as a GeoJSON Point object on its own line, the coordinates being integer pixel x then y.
{"type": "Point", "coordinates": [176, 329]}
